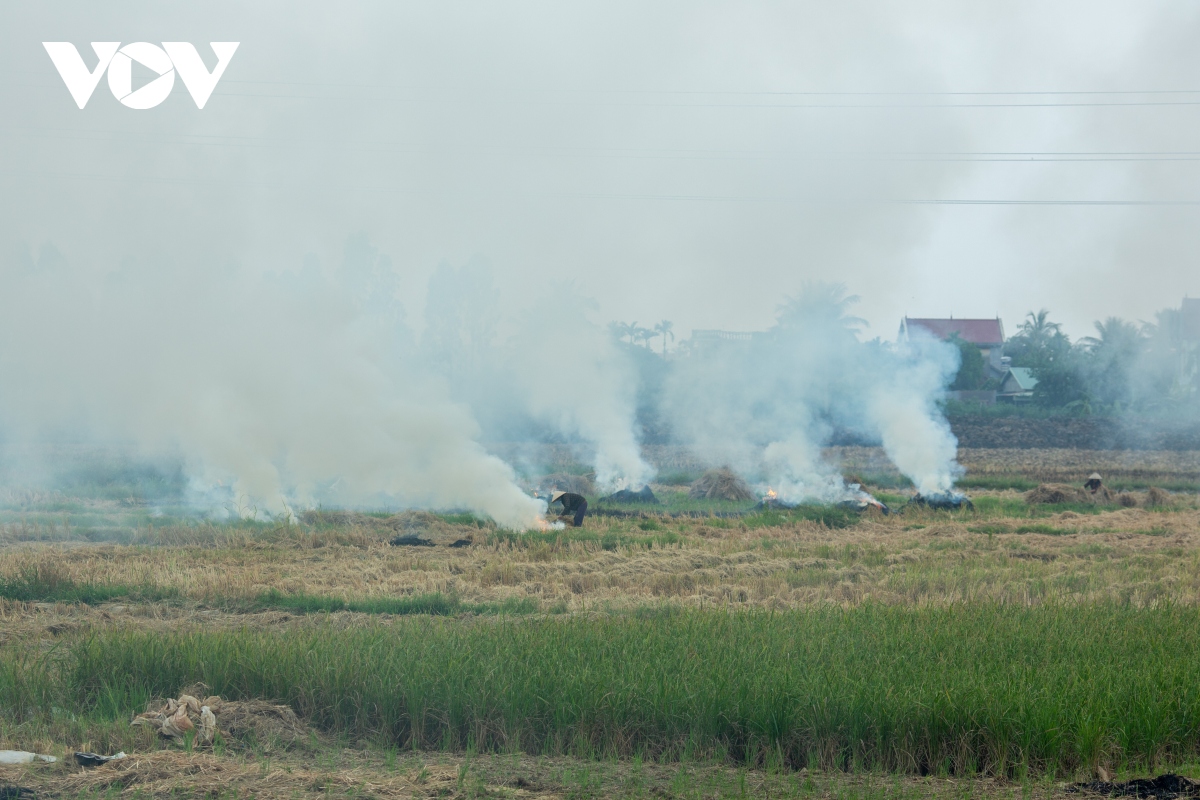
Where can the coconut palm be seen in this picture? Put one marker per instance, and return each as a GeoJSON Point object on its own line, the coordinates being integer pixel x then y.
{"type": "Point", "coordinates": [1039, 343]}
{"type": "Point", "coordinates": [1037, 326]}
{"type": "Point", "coordinates": [624, 330]}
{"type": "Point", "coordinates": [824, 304]}
{"type": "Point", "coordinates": [1117, 339]}
{"type": "Point", "coordinates": [663, 329]}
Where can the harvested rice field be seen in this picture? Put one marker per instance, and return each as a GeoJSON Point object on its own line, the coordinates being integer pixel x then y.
{"type": "Point", "coordinates": [693, 648]}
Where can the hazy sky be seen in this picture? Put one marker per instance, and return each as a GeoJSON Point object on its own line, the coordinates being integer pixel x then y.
{"type": "Point", "coordinates": [682, 160]}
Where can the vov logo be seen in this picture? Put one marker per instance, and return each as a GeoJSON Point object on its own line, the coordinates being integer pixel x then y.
{"type": "Point", "coordinates": [172, 57]}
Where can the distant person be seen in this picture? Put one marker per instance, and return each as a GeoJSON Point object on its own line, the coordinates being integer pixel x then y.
{"type": "Point", "coordinates": [1093, 482]}
{"type": "Point", "coordinates": [572, 503]}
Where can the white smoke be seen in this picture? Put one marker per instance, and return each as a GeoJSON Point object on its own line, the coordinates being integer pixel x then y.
{"type": "Point", "coordinates": [767, 406]}
{"type": "Point", "coordinates": [557, 368]}
{"type": "Point", "coordinates": [914, 434]}
{"type": "Point", "coordinates": [295, 390]}
{"type": "Point", "coordinates": [578, 381]}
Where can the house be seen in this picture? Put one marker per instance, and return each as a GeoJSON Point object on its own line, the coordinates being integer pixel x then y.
{"type": "Point", "coordinates": [986, 334]}
{"type": "Point", "coordinates": [706, 340]}
{"type": "Point", "coordinates": [707, 337]}
{"type": "Point", "coordinates": [1017, 385]}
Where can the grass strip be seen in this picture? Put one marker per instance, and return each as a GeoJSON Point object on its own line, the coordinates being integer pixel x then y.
{"type": "Point", "coordinates": [41, 582]}
{"type": "Point", "coordinates": [992, 688]}
{"type": "Point", "coordinates": [434, 603]}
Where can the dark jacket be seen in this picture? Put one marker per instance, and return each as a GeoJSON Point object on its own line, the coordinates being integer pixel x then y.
{"type": "Point", "coordinates": [573, 504]}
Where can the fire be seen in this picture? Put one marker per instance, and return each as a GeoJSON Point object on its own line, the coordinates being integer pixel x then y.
{"type": "Point", "coordinates": [542, 524]}
{"type": "Point", "coordinates": [771, 495]}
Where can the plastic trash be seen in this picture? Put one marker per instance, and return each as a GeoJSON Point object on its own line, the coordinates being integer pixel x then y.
{"type": "Point", "coordinates": [95, 759]}
{"type": "Point", "coordinates": [23, 757]}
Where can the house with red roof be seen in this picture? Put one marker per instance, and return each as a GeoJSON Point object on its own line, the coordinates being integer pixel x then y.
{"type": "Point", "coordinates": [986, 334]}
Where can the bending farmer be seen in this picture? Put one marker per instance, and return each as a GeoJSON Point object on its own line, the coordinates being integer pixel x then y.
{"type": "Point", "coordinates": [572, 503]}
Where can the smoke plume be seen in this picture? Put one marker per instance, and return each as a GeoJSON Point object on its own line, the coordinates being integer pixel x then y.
{"type": "Point", "coordinates": [766, 404]}
{"type": "Point", "coordinates": [275, 392]}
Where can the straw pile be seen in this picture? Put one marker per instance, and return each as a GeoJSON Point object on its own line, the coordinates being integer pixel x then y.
{"type": "Point", "coordinates": [1055, 493]}
{"type": "Point", "coordinates": [720, 484]}
{"type": "Point", "coordinates": [258, 720]}
{"type": "Point", "coordinates": [168, 773]}
{"type": "Point", "coordinates": [1157, 498]}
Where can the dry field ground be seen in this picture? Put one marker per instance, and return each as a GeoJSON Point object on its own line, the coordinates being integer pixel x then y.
{"type": "Point", "coordinates": [168, 574]}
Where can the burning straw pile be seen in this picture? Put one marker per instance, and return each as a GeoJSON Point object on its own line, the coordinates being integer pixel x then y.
{"type": "Point", "coordinates": [720, 484]}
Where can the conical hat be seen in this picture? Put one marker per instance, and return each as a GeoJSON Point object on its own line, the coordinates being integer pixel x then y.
{"type": "Point", "coordinates": [555, 495]}
{"type": "Point", "coordinates": [1095, 476]}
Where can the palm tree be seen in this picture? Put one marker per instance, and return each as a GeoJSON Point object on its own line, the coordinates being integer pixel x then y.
{"type": "Point", "coordinates": [623, 330]}
{"type": "Point", "coordinates": [663, 329]}
{"type": "Point", "coordinates": [1038, 328]}
{"type": "Point", "coordinates": [1114, 353]}
{"type": "Point", "coordinates": [643, 335]}
{"type": "Point", "coordinates": [821, 303]}
{"type": "Point", "coordinates": [1038, 343]}
{"type": "Point", "coordinates": [1118, 339]}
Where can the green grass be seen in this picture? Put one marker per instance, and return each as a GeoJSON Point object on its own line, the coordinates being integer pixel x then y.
{"type": "Point", "coordinates": [830, 516]}
{"type": "Point", "coordinates": [1021, 483]}
{"type": "Point", "coordinates": [999, 482]}
{"type": "Point", "coordinates": [680, 503]}
{"type": "Point", "coordinates": [434, 604]}
{"type": "Point", "coordinates": [999, 689]}
{"type": "Point", "coordinates": [41, 582]}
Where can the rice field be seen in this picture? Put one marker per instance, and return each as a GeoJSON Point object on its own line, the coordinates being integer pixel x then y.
{"type": "Point", "coordinates": [692, 649]}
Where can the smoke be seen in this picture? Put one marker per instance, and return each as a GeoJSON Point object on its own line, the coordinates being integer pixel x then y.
{"type": "Point", "coordinates": [767, 404]}
{"type": "Point", "coordinates": [276, 392]}
{"type": "Point", "coordinates": [552, 369]}
{"type": "Point", "coordinates": [914, 433]}
{"type": "Point", "coordinates": [579, 382]}
{"type": "Point", "coordinates": [280, 392]}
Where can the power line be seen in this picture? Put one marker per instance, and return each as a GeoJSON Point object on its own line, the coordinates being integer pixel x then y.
{"type": "Point", "coordinates": [493, 97]}
{"type": "Point", "coordinates": [632, 196]}
{"type": "Point", "coordinates": [1013, 156]}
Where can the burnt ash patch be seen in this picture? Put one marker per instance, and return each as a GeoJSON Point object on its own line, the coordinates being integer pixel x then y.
{"type": "Point", "coordinates": [1164, 787]}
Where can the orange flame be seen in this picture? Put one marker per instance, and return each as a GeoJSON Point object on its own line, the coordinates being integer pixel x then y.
{"type": "Point", "coordinates": [771, 495]}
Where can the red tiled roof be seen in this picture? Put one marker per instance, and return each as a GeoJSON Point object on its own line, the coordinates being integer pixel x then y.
{"type": "Point", "coordinates": [1189, 319]}
{"type": "Point", "coordinates": [975, 331]}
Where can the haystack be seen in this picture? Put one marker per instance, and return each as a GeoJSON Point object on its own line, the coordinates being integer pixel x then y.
{"type": "Point", "coordinates": [720, 484]}
{"type": "Point", "coordinates": [1127, 500]}
{"type": "Point", "coordinates": [1157, 498]}
{"type": "Point", "coordinates": [1055, 493]}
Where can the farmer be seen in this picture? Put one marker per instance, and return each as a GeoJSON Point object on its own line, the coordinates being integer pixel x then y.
{"type": "Point", "coordinates": [1093, 483]}
{"type": "Point", "coordinates": [572, 503]}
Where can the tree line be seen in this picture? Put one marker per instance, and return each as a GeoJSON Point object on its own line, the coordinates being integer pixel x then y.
{"type": "Point", "coordinates": [1125, 366]}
